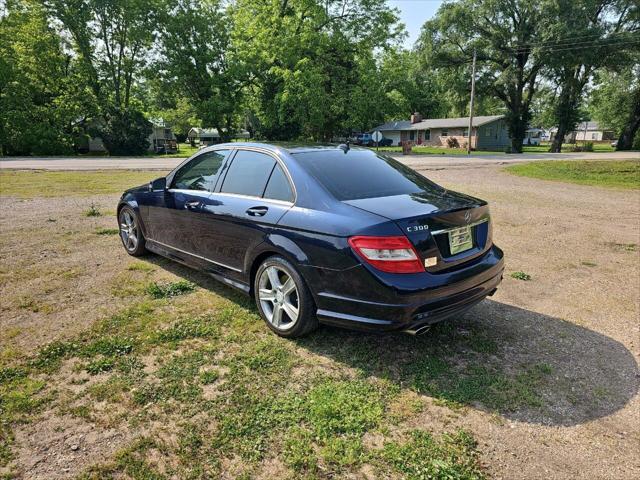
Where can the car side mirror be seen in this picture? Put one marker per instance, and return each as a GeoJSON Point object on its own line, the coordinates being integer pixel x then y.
{"type": "Point", "coordinates": [158, 185]}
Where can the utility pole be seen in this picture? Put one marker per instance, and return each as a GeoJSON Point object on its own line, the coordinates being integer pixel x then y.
{"type": "Point", "coordinates": [473, 92]}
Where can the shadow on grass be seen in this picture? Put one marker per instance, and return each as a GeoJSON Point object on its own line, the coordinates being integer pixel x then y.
{"type": "Point", "coordinates": [520, 364]}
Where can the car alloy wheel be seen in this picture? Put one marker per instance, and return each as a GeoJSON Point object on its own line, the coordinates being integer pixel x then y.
{"type": "Point", "coordinates": [129, 230]}
{"type": "Point", "coordinates": [278, 296]}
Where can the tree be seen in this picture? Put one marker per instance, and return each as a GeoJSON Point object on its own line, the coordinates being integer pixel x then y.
{"type": "Point", "coordinates": [591, 34]}
{"type": "Point", "coordinates": [42, 94]}
{"type": "Point", "coordinates": [308, 62]}
{"type": "Point", "coordinates": [411, 86]}
{"type": "Point", "coordinates": [505, 34]}
{"type": "Point", "coordinates": [111, 40]}
{"type": "Point", "coordinates": [196, 57]}
{"type": "Point", "coordinates": [615, 103]}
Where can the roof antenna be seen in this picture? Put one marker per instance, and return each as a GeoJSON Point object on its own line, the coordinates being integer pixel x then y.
{"type": "Point", "coordinates": [344, 146]}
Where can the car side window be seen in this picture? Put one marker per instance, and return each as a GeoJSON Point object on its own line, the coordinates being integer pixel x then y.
{"type": "Point", "coordinates": [278, 187]}
{"type": "Point", "coordinates": [201, 172]}
{"type": "Point", "coordinates": [248, 173]}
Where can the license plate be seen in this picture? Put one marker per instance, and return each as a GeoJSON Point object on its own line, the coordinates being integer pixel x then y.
{"type": "Point", "coordinates": [460, 240]}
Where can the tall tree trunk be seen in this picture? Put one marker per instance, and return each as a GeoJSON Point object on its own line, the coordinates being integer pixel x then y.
{"type": "Point", "coordinates": [625, 142]}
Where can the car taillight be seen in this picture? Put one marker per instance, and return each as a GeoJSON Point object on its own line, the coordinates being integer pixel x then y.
{"type": "Point", "coordinates": [389, 254]}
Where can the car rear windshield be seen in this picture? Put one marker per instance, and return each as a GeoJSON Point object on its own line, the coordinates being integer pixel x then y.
{"type": "Point", "coordinates": [357, 174]}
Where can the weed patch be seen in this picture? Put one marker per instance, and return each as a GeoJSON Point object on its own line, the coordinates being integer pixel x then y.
{"type": "Point", "coordinates": [168, 290]}
{"type": "Point", "coordinates": [425, 457]}
{"type": "Point", "coordinates": [107, 231]}
{"type": "Point", "coordinates": [93, 211]}
{"type": "Point", "coordinates": [521, 276]}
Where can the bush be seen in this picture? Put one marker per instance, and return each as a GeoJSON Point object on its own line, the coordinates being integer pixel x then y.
{"type": "Point", "coordinates": [125, 132]}
{"type": "Point", "coordinates": [587, 147]}
{"type": "Point", "coordinates": [452, 142]}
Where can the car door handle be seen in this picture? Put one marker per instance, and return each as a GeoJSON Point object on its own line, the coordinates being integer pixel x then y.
{"type": "Point", "coordinates": [257, 211]}
{"type": "Point", "coordinates": [192, 205]}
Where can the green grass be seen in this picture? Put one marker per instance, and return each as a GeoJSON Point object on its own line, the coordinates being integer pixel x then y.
{"type": "Point", "coordinates": [37, 183]}
{"type": "Point", "coordinates": [617, 174]}
{"type": "Point", "coordinates": [171, 289]}
{"type": "Point", "coordinates": [567, 147]}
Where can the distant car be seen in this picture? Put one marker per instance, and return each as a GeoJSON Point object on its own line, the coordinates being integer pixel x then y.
{"type": "Point", "coordinates": [319, 234]}
{"type": "Point", "coordinates": [365, 139]}
{"type": "Point", "coordinates": [614, 144]}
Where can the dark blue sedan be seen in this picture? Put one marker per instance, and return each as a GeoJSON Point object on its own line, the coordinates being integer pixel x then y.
{"type": "Point", "coordinates": [319, 234]}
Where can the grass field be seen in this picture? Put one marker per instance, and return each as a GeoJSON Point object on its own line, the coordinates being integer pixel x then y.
{"type": "Point", "coordinates": [544, 148]}
{"type": "Point", "coordinates": [53, 184]}
{"type": "Point", "coordinates": [621, 174]}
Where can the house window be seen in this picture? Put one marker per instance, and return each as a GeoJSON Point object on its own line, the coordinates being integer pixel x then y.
{"type": "Point", "coordinates": [412, 135]}
{"type": "Point", "coordinates": [427, 135]}
{"type": "Point", "coordinates": [465, 132]}
{"type": "Point", "coordinates": [444, 133]}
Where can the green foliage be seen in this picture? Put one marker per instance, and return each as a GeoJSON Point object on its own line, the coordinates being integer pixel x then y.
{"type": "Point", "coordinates": [42, 91]}
{"type": "Point", "coordinates": [615, 102]}
{"type": "Point", "coordinates": [125, 132]}
{"type": "Point", "coordinates": [521, 276]}
{"type": "Point", "coordinates": [171, 289]}
{"type": "Point", "coordinates": [312, 63]}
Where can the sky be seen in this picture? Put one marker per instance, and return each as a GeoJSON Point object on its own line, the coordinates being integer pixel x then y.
{"type": "Point", "coordinates": [413, 13]}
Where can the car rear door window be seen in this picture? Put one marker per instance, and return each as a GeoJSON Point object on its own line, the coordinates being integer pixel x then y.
{"type": "Point", "coordinates": [248, 173]}
{"type": "Point", "coordinates": [200, 173]}
{"type": "Point", "coordinates": [278, 187]}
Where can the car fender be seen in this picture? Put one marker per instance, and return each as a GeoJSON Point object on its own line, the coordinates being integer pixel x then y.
{"type": "Point", "coordinates": [129, 200]}
{"type": "Point", "coordinates": [279, 244]}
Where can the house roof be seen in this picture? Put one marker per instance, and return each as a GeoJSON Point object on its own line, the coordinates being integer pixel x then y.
{"type": "Point", "coordinates": [438, 123]}
{"type": "Point", "coordinates": [590, 126]}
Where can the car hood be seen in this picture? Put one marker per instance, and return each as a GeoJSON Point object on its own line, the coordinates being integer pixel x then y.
{"type": "Point", "coordinates": [399, 207]}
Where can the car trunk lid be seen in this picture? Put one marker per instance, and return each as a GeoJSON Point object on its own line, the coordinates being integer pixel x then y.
{"type": "Point", "coordinates": [446, 228]}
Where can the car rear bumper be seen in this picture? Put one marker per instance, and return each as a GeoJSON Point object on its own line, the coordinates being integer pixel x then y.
{"type": "Point", "coordinates": [357, 299]}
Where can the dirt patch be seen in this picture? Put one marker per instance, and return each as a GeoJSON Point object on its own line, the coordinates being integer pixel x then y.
{"type": "Point", "coordinates": [62, 446]}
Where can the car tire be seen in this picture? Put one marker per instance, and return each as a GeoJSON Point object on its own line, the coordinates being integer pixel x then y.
{"type": "Point", "coordinates": [131, 234]}
{"type": "Point", "coordinates": [277, 299]}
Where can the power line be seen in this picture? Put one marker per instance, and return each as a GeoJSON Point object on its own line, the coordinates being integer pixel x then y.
{"type": "Point", "coordinates": [577, 39]}
{"type": "Point", "coordinates": [594, 44]}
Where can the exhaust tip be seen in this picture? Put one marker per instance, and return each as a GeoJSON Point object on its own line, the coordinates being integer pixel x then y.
{"type": "Point", "coordinates": [418, 331]}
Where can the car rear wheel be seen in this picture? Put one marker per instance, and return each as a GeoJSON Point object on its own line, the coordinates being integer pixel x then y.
{"type": "Point", "coordinates": [283, 299]}
{"type": "Point", "coordinates": [131, 233]}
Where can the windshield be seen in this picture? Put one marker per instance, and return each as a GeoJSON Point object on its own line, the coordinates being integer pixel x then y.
{"type": "Point", "coordinates": [357, 174]}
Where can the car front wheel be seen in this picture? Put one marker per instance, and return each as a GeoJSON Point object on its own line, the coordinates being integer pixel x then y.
{"type": "Point", "coordinates": [131, 233]}
{"type": "Point", "coordinates": [283, 299]}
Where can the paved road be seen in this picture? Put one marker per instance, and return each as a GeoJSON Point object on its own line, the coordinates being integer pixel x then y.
{"type": "Point", "coordinates": [416, 161]}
